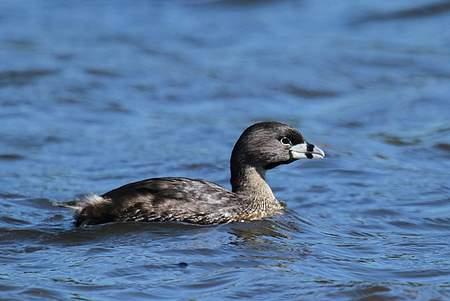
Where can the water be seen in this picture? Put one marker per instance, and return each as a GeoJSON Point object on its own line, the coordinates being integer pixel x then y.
{"type": "Point", "coordinates": [97, 94]}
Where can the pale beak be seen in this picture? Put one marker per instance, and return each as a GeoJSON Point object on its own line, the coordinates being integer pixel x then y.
{"type": "Point", "coordinates": [306, 151]}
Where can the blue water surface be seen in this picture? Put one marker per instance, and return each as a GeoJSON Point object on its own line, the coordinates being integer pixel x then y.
{"type": "Point", "coordinates": [96, 94]}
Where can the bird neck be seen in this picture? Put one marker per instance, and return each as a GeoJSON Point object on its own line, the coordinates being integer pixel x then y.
{"type": "Point", "coordinates": [250, 182]}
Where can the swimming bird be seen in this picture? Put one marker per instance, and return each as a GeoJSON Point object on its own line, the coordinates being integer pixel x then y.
{"type": "Point", "coordinates": [261, 147]}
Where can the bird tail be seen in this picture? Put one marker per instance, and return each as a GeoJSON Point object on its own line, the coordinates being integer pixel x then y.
{"type": "Point", "coordinates": [90, 209]}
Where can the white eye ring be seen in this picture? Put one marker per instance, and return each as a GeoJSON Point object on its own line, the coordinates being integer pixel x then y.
{"type": "Point", "coordinates": [285, 141]}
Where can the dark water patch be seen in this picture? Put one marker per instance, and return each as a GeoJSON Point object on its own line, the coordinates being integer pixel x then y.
{"type": "Point", "coordinates": [422, 11]}
{"type": "Point", "coordinates": [308, 93]}
{"type": "Point", "coordinates": [384, 62]}
{"type": "Point", "coordinates": [194, 41]}
{"type": "Point", "coordinates": [98, 250]}
{"type": "Point", "coordinates": [235, 3]}
{"type": "Point", "coordinates": [381, 156]}
{"type": "Point", "coordinates": [354, 172]}
{"type": "Point", "coordinates": [41, 294]}
{"type": "Point", "coordinates": [381, 212]}
{"type": "Point", "coordinates": [182, 265]}
{"type": "Point", "coordinates": [164, 54]}
{"type": "Point", "coordinates": [320, 189]}
{"type": "Point", "coordinates": [361, 234]}
{"type": "Point", "coordinates": [24, 77]}
{"type": "Point", "coordinates": [11, 157]}
{"type": "Point", "coordinates": [13, 221]}
{"type": "Point", "coordinates": [116, 107]}
{"type": "Point", "coordinates": [352, 124]}
{"type": "Point", "coordinates": [200, 166]}
{"type": "Point", "coordinates": [443, 147]}
{"type": "Point", "coordinates": [11, 195]}
{"type": "Point", "coordinates": [69, 100]}
{"type": "Point", "coordinates": [52, 139]}
{"type": "Point", "coordinates": [442, 129]}
{"type": "Point", "coordinates": [120, 38]}
{"type": "Point", "coordinates": [82, 285]}
{"type": "Point", "coordinates": [55, 218]}
{"type": "Point", "coordinates": [145, 87]}
{"type": "Point", "coordinates": [102, 72]}
{"type": "Point", "coordinates": [32, 249]}
{"type": "Point", "coordinates": [105, 232]}
{"type": "Point", "coordinates": [83, 90]}
{"type": "Point", "coordinates": [438, 222]}
{"type": "Point", "coordinates": [145, 48]}
{"type": "Point", "coordinates": [358, 184]}
{"type": "Point", "coordinates": [147, 268]}
{"type": "Point", "coordinates": [423, 274]}
{"type": "Point", "coordinates": [24, 142]}
{"type": "Point", "coordinates": [134, 295]}
{"type": "Point", "coordinates": [78, 89]}
{"type": "Point", "coordinates": [107, 176]}
{"type": "Point", "coordinates": [21, 44]}
{"type": "Point", "coordinates": [64, 57]}
{"type": "Point", "coordinates": [368, 292]}
{"type": "Point", "coordinates": [190, 250]}
{"type": "Point", "coordinates": [443, 203]}
{"type": "Point", "coordinates": [397, 140]}
{"type": "Point", "coordinates": [6, 288]}
{"type": "Point", "coordinates": [403, 224]}
{"type": "Point", "coordinates": [16, 234]}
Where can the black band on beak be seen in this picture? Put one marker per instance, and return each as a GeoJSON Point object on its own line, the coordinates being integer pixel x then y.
{"type": "Point", "coordinates": [306, 151]}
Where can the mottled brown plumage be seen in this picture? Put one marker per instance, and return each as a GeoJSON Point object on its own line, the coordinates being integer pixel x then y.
{"type": "Point", "coordinates": [262, 146]}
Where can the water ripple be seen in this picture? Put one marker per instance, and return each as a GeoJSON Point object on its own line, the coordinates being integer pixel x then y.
{"type": "Point", "coordinates": [24, 77]}
{"type": "Point", "coordinates": [89, 102]}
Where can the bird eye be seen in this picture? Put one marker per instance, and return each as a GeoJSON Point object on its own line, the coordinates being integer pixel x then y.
{"type": "Point", "coordinates": [285, 141]}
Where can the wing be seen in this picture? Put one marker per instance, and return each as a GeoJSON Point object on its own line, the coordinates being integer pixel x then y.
{"type": "Point", "coordinates": [173, 199]}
